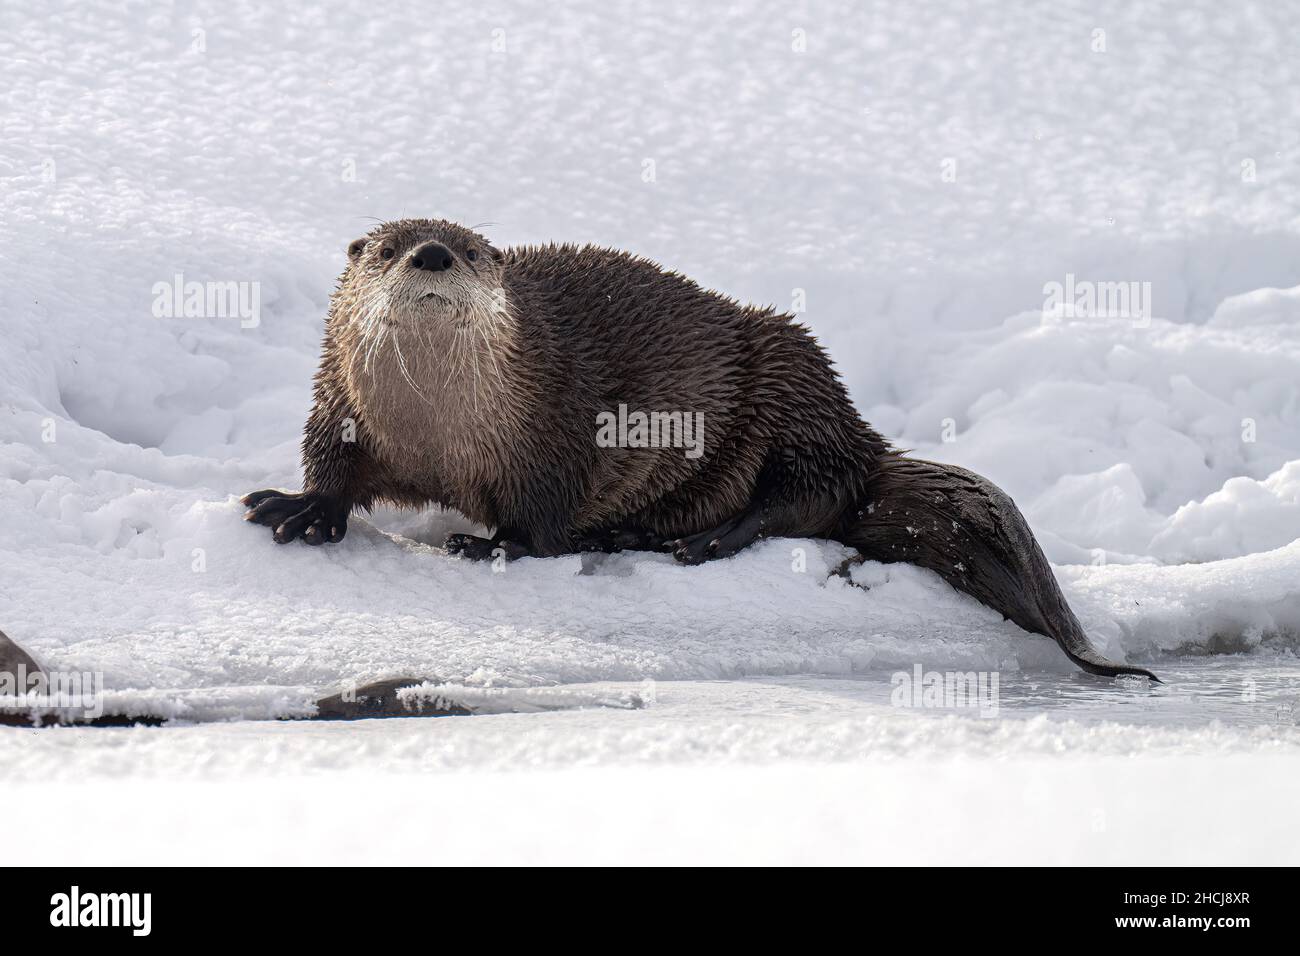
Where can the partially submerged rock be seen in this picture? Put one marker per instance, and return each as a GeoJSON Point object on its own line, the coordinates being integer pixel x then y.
{"type": "Point", "coordinates": [382, 699]}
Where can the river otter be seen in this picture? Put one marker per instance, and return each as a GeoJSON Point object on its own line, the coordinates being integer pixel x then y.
{"type": "Point", "coordinates": [459, 374]}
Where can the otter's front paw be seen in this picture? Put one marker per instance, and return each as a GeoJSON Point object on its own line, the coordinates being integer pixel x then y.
{"type": "Point", "coordinates": [483, 549]}
{"type": "Point", "coordinates": [313, 517]}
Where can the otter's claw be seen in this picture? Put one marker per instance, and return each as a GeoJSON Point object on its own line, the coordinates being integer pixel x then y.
{"type": "Point", "coordinates": [720, 542]}
{"type": "Point", "coordinates": [483, 549]}
{"type": "Point", "coordinates": [317, 519]}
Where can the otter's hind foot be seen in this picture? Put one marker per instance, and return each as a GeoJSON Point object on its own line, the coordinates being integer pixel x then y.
{"type": "Point", "coordinates": [314, 517]}
{"type": "Point", "coordinates": [614, 540]}
{"type": "Point", "coordinates": [484, 549]}
{"type": "Point", "coordinates": [720, 542]}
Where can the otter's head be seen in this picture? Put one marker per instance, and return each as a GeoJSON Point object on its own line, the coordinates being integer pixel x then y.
{"type": "Point", "coordinates": [424, 275]}
{"type": "Point", "coordinates": [419, 302]}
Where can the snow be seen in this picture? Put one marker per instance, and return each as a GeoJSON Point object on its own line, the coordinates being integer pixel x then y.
{"type": "Point", "coordinates": [1156, 456]}
{"type": "Point", "coordinates": [789, 770]}
{"type": "Point", "coordinates": [792, 814]}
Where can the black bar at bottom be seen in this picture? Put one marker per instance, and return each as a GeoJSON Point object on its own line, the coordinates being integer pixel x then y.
{"type": "Point", "coordinates": [325, 905]}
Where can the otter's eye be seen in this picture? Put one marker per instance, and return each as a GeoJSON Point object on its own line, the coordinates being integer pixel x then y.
{"type": "Point", "coordinates": [386, 253]}
{"type": "Point", "coordinates": [471, 254]}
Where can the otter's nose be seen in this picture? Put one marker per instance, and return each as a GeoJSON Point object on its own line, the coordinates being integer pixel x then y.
{"type": "Point", "coordinates": [432, 257]}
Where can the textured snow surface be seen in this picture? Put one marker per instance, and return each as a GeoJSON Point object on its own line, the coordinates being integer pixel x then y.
{"type": "Point", "coordinates": [1157, 456]}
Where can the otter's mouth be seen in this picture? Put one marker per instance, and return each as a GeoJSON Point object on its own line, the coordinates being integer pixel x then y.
{"type": "Point", "coordinates": [430, 297]}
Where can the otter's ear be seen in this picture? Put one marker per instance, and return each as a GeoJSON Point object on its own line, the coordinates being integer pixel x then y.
{"type": "Point", "coordinates": [356, 246]}
{"type": "Point", "coordinates": [497, 254]}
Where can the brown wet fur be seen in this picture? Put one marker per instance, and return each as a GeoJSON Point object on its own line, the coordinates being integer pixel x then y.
{"type": "Point", "coordinates": [478, 388]}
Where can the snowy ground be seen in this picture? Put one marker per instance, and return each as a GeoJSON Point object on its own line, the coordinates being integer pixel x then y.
{"type": "Point", "coordinates": [921, 172]}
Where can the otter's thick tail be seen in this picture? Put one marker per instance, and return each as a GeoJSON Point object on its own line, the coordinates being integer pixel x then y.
{"type": "Point", "coordinates": [964, 527]}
